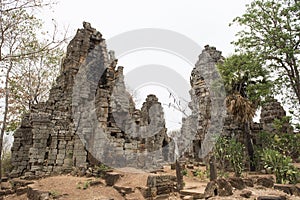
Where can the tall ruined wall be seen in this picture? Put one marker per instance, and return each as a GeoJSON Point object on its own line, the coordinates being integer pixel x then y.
{"type": "Point", "coordinates": [205, 105]}
{"type": "Point", "coordinates": [58, 135]}
{"type": "Point", "coordinates": [50, 142]}
{"type": "Point", "coordinates": [209, 117]}
{"type": "Point", "coordinates": [91, 118]}
{"type": "Point", "coordinates": [270, 111]}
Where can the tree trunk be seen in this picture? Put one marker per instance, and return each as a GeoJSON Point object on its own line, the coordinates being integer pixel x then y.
{"type": "Point", "coordinates": [4, 123]}
{"type": "Point", "coordinates": [1, 146]}
{"type": "Point", "coordinates": [249, 145]}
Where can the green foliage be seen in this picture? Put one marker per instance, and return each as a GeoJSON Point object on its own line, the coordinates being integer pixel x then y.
{"type": "Point", "coordinates": [54, 194]}
{"type": "Point", "coordinates": [79, 185]}
{"type": "Point", "coordinates": [29, 58]}
{"type": "Point", "coordinates": [247, 85]}
{"type": "Point", "coordinates": [297, 126]}
{"type": "Point", "coordinates": [287, 144]}
{"type": "Point", "coordinates": [223, 174]}
{"type": "Point", "coordinates": [103, 167]}
{"type": "Point", "coordinates": [21, 47]}
{"type": "Point", "coordinates": [242, 74]}
{"type": "Point", "coordinates": [6, 162]}
{"type": "Point", "coordinates": [200, 174]}
{"type": "Point", "coordinates": [270, 32]}
{"type": "Point", "coordinates": [30, 82]}
{"type": "Point", "coordinates": [184, 172]}
{"type": "Point", "coordinates": [230, 151]}
{"type": "Point", "coordinates": [236, 156]}
{"type": "Point", "coordinates": [6, 166]}
{"type": "Point", "coordinates": [84, 185]}
{"type": "Point", "coordinates": [281, 166]}
{"type": "Point", "coordinates": [280, 124]}
{"type": "Point", "coordinates": [221, 152]}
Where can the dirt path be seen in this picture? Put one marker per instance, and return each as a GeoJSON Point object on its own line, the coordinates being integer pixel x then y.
{"type": "Point", "coordinates": [68, 187]}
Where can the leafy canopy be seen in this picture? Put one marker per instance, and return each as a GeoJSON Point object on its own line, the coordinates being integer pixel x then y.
{"type": "Point", "coordinates": [271, 32]}
{"type": "Point", "coordinates": [243, 74]}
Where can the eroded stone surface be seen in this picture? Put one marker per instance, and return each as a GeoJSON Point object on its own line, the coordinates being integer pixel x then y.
{"type": "Point", "coordinates": [63, 132]}
{"type": "Point", "coordinates": [90, 117]}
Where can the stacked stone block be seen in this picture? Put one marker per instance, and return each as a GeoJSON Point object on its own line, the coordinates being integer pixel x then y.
{"type": "Point", "coordinates": [58, 135]}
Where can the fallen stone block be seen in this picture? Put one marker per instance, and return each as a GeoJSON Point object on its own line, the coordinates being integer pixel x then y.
{"type": "Point", "coordinates": [4, 179]}
{"type": "Point", "coordinates": [271, 198]}
{"type": "Point", "coordinates": [123, 189]}
{"type": "Point", "coordinates": [188, 198]}
{"type": "Point", "coordinates": [246, 194]}
{"type": "Point", "coordinates": [194, 193]}
{"type": "Point", "coordinates": [289, 189]}
{"type": "Point", "coordinates": [5, 186]}
{"type": "Point", "coordinates": [111, 178]}
{"type": "Point", "coordinates": [219, 187]}
{"type": "Point", "coordinates": [16, 183]}
{"type": "Point", "coordinates": [267, 182]}
{"type": "Point", "coordinates": [237, 183]}
{"type": "Point", "coordinates": [34, 194]}
{"type": "Point", "coordinates": [21, 190]}
{"type": "Point", "coordinates": [248, 182]}
{"type": "Point", "coordinates": [145, 191]}
{"type": "Point", "coordinates": [95, 183]}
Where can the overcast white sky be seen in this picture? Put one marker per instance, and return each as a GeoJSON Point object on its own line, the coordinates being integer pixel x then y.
{"type": "Point", "coordinates": [205, 22]}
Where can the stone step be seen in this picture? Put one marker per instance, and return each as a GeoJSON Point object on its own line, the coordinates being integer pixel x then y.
{"type": "Point", "coordinates": [16, 183]}
{"type": "Point", "coordinates": [111, 178]}
{"type": "Point", "coordinates": [271, 198]}
{"type": "Point", "coordinates": [34, 194]}
{"type": "Point", "coordinates": [21, 190]}
{"type": "Point", "coordinates": [188, 198]}
{"type": "Point", "coordinates": [162, 197]}
{"type": "Point", "coordinates": [195, 193]}
{"type": "Point", "coordinates": [289, 189]}
{"type": "Point", "coordinates": [124, 189]}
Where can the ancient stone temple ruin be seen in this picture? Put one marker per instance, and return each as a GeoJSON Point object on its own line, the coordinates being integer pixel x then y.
{"type": "Point", "coordinates": [60, 133]}
{"type": "Point", "coordinates": [209, 118]}
{"type": "Point", "coordinates": [206, 120]}
{"type": "Point", "coordinates": [90, 118]}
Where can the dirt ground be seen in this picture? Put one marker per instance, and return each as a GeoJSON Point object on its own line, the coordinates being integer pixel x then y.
{"type": "Point", "coordinates": [67, 187]}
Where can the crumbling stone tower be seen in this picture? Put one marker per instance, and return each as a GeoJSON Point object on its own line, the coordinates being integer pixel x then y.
{"type": "Point", "coordinates": [57, 136]}
{"type": "Point", "coordinates": [199, 130]}
{"type": "Point", "coordinates": [272, 110]}
{"type": "Point", "coordinates": [91, 118]}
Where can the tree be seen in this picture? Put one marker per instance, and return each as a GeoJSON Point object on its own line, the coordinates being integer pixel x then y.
{"type": "Point", "coordinates": [19, 33]}
{"type": "Point", "coordinates": [243, 74]}
{"type": "Point", "coordinates": [229, 150]}
{"type": "Point", "coordinates": [6, 155]}
{"type": "Point", "coordinates": [247, 85]}
{"type": "Point", "coordinates": [271, 32]}
{"type": "Point", "coordinates": [30, 83]}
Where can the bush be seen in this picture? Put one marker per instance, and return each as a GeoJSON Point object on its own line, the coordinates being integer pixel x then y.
{"type": "Point", "coordinates": [228, 150]}
{"type": "Point", "coordinates": [6, 163]}
{"type": "Point", "coordinates": [221, 152]}
{"type": "Point", "coordinates": [281, 166]}
{"type": "Point", "coordinates": [287, 144]}
{"type": "Point", "coordinates": [200, 174]}
{"type": "Point", "coordinates": [236, 156]}
{"type": "Point", "coordinates": [103, 167]}
{"type": "Point", "coordinates": [184, 172]}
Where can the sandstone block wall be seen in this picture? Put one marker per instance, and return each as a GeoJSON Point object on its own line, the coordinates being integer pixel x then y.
{"type": "Point", "coordinates": [90, 117]}
{"type": "Point", "coordinates": [59, 134]}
